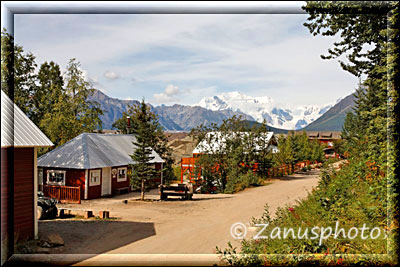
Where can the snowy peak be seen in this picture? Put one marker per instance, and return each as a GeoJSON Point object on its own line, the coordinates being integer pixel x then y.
{"type": "Point", "coordinates": [213, 103]}
{"type": "Point", "coordinates": [264, 107]}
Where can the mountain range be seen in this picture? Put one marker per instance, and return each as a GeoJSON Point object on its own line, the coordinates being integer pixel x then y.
{"type": "Point", "coordinates": [172, 118]}
{"type": "Point", "coordinates": [334, 118]}
{"type": "Point", "coordinates": [215, 109]}
{"type": "Point", "coordinates": [261, 108]}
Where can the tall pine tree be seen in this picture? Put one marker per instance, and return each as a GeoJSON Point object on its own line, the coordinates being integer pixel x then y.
{"type": "Point", "coordinates": [159, 140]}
{"type": "Point", "coordinates": [144, 133]}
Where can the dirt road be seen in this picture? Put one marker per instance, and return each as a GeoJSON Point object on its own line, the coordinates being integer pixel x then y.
{"type": "Point", "coordinates": [172, 227]}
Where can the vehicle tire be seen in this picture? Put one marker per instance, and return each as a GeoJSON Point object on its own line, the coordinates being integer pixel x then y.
{"type": "Point", "coordinates": [163, 197]}
{"type": "Point", "coordinates": [39, 213]}
{"type": "Point", "coordinates": [54, 213]}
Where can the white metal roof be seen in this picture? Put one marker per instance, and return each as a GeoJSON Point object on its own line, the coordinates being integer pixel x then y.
{"type": "Point", "coordinates": [93, 150]}
{"type": "Point", "coordinates": [214, 142]}
{"type": "Point", "coordinates": [17, 129]}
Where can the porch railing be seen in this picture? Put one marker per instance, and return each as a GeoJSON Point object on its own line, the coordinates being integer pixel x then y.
{"type": "Point", "coordinates": [64, 194]}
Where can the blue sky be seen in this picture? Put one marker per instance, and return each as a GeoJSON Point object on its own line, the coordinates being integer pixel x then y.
{"type": "Point", "coordinates": [171, 58]}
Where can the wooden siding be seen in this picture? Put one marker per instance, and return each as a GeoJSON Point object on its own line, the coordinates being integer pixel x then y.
{"type": "Point", "coordinates": [23, 193]}
{"type": "Point", "coordinates": [94, 190]}
{"type": "Point", "coordinates": [7, 235]}
{"type": "Point", "coordinates": [115, 184]}
{"type": "Point", "coordinates": [77, 178]}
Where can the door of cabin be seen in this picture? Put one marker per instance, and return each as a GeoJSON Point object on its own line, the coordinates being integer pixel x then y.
{"type": "Point", "coordinates": [106, 182]}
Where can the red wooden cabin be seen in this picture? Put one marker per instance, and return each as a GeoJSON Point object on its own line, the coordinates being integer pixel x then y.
{"type": "Point", "coordinates": [20, 138]}
{"type": "Point", "coordinates": [94, 164]}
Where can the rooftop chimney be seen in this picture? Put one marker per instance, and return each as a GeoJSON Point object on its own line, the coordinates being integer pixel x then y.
{"type": "Point", "coordinates": [128, 124]}
{"type": "Point", "coordinates": [128, 121]}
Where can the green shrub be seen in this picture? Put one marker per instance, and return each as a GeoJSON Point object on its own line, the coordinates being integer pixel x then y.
{"type": "Point", "coordinates": [352, 196]}
{"type": "Point", "coordinates": [241, 181]}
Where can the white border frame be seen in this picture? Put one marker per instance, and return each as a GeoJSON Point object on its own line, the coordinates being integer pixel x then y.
{"type": "Point", "coordinates": [9, 8]}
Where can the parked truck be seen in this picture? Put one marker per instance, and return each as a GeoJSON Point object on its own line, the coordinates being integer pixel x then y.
{"type": "Point", "coordinates": [185, 191]}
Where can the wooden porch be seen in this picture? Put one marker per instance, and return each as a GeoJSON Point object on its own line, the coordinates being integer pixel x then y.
{"type": "Point", "coordinates": [64, 194]}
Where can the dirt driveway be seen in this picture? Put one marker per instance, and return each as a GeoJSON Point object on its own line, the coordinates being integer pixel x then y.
{"type": "Point", "coordinates": [174, 226]}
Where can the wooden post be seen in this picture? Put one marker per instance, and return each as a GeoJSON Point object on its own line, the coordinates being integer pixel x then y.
{"type": "Point", "coordinates": [61, 213]}
{"type": "Point", "coordinates": [88, 214]}
{"type": "Point", "coordinates": [104, 214]}
{"type": "Point", "coordinates": [79, 195]}
{"type": "Point", "coordinates": [142, 190]}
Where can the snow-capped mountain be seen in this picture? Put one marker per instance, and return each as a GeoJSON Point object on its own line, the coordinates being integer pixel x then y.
{"type": "Point", "coordinates": [260, 108]}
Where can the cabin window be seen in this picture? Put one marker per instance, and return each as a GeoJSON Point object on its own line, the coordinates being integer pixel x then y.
{"type": "Point", "coordinates": [94, 177]}
{"type": "Point", "coordinates": [122, 175]}
{"type": "Point", "coordinates": [56, 177]}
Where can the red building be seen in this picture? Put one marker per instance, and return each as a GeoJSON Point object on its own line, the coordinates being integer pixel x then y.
{"type": "Point", "coordinates": [20, 138]}
{"type": "Point", "coordinates": [95, 164]}
{"type": "Point", "coordinates": [324, 137]}
{"type": "Point", "coordinates": [215, 142]}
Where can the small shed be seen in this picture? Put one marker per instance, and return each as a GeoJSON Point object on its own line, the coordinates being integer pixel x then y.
{"type": "Point", "coordinates": [20, 138]}
{"type": "Point", "coordinates": [97, 164]}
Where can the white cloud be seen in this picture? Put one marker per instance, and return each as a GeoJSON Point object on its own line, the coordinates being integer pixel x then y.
{"type": "Point", "coordinates": [260, 55]}
{"type": "Point", "coordinates": [171, 94]}
{"type": "Point", "coordinates": [89, 78]}
{"type": "Point", "coordinates": [171, 90]}
{"type": "Point", "coordinates": [111, 75]}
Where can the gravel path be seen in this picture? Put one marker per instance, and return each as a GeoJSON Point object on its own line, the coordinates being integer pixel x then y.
{"type": "Point", "coordinates": [174, 227]}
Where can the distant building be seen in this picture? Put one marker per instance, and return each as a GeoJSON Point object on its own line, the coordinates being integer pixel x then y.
{"type": "Point", "coordinates": [95, 163]}
{"type": "Point", "coordinates": [107, 131]}
{"type": "Point", "coordinates": [214, 142]}
{"type": "Point", "coordinates": [324, 137]}
{"type": "Point", "coordinates": [20, 138]}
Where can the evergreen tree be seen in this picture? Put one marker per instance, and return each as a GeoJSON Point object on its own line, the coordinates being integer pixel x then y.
{"type": "Point", "coordinates": [304, 151]}
{"type": "Point", "coordinates": [59, 124]}
{"type": "Point", "coordinates": [86, 113]}
{"type": "Point", "coordinates": [144, 133]}
{"type": "Point", "coordinates": [65, 112]}
{"type": "Point", "coordinates": [359, 25]}
{"type": "Point", "coordinates": [230, 164]}
{"type": "Point", "coordinates": [48, 91]}
{"type": "Point", "coordinates": [17, 73]}
{"type": "Point", "coordinates": [159, 141]}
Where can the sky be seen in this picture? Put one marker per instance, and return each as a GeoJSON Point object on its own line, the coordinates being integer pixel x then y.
{"type": "Point", "coordinates": [181, 58]}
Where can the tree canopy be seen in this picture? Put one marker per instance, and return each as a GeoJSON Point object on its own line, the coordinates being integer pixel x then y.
{"type": "Point", "coordinates": [56, 102]}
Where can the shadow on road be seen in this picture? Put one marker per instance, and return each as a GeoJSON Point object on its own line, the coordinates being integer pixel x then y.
{"type": "Point", "coordinates": [196, 198]}
{"type": "Point", "coordinates": [84, 239]}
{"type": "Point", "coordinates": [96, 236]}
{"type": "Point", "coordinates": [297, 176]}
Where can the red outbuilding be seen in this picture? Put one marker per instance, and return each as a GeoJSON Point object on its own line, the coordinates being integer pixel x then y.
{"type": "Point", "coordinates": [91, 165]}
{"type": "Point", "coordinates": [20, 138]}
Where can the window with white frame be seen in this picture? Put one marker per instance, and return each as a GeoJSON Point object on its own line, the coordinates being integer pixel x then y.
{"type": "Point", "coordinates": [56, 177]}
{"type": "Point", "coordinates": [122, 177]}
{"type": "Point", "coordinates": [94, 177]}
